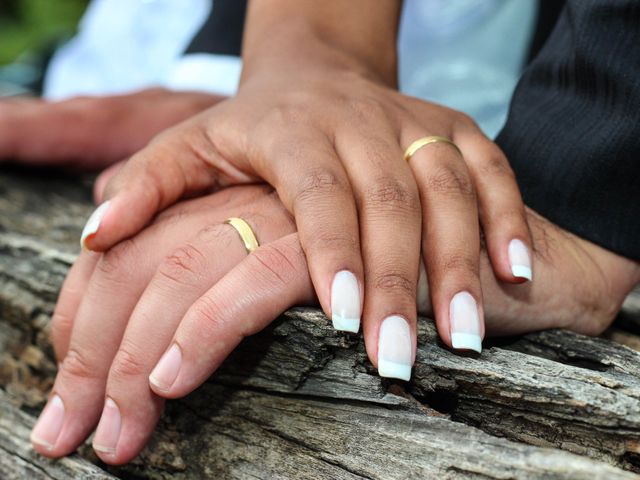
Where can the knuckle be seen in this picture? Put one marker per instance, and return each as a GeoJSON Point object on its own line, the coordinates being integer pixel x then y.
{"type": "Point", "coordinates": [128, 363]}
{"type": "Point", "coordinates": [209, 314]}
{"type": "Point", "coordinates": [497, 166]}
{"type": "Point", "coordinates": [395, 282]}
{"type": "Point", "coordinates": [61, 325]}
{"type": "Point", "coordinates": [77, 364]}
{"type": "Point", "coordinates": [277, 262]}
{"type": "Point", "coordinates": [465, 122]}
{"type": "Point", "coordinates": [446, 180]}
{"type": "Point", "coordinates": [284, 115]}
{"type": "Point", "coordinates": [319, 183]}
{"type": "Point", "coordinates": [393, 194]}
{"type": "Point", "coordinates": [512, 219]}
{"type": "Point", "coordinates": [115, 264]}
{"type": "Point", "coordinates": [459, 264]}
{"type": "Point", "coordinates": [78, 107]}
{"type": "Point", "coordinates": [330, 241]}
{"type": "Point", "coordinates": [366, 108]}
{"type": "Point", "coordinates": [184, 265]}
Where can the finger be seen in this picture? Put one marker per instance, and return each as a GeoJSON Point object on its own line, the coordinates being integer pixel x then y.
{"type": "Point", "coordinates": [502, 212]}
{"type": "Point", "coordinates": [450, 240]}
{"type": "Point", "coordinates": [313, 185]}
{"type": "Point", "coordinates": [182, 278]}
{"type": "Point", "coordinates": [389, 215]}
{"type": "Point", "coordinates": [180, 162]}
{"type": "Point", "coordinates": [101, 182]}
{"type": "Point", "coordinates": [69, 300]}
{"type": "Point", "coordinates": [270, 280]}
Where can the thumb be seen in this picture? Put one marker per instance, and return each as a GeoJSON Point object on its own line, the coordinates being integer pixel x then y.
{"type": "Point", "coordinates": [101, 182]}
{"type": "Point", "coordinates": [180, 162]}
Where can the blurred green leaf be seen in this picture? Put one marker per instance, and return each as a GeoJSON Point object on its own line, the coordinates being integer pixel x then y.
{"type": "Point", "coordinates": [32, 25]}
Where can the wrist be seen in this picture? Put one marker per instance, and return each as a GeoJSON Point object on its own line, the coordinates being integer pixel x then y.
{"type": "Point", "coordinates": [300, 48]}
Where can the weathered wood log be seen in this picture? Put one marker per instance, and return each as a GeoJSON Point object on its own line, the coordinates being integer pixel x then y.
{"type": "Point", "coordinates": [327, 415]}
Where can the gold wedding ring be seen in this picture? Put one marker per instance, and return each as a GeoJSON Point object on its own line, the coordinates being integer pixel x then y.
{"type": "Point", "coordinates": [424, 141]}
{"type": "Point", "coordinates": [245, 231]}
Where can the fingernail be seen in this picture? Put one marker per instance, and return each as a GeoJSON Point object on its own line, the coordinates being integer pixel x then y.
{"type": "Point", "coordinates": [108, 431]}
{"type": "Point", "coordinates": [345, 302]}
{"type": "Point", "coordinates": [395, 348]}
{"type": "Point", "coordinates": [520, 259]}
{"type": "Point", "coordinates": [167, 369]}
{"type": "Point", "coordinates": [49, 425]}
{"type": "Point", "coordinates": [465, 322]}
{"type": "Point", "coordinates": [93, 223]}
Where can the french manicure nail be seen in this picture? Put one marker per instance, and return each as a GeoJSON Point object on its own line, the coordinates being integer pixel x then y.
{"type": "Point", "coordinates": [93, 223]}
{"type": "Point", "coordinates": [520, 259]}
{"type": "Point", "coordinates": [49, 425]}
{"type": "Point", "coordinates": [108, 431]}
{"type": "Point", "coordinates": [345, 302]}
{"type": "Point", "coordinates": [465, 322]}
{"type": "Point", "coordinates": [166, 371]}
{"type": "Point", "coordinates": [395, 348]}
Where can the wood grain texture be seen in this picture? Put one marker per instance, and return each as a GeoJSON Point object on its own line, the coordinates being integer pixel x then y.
{"type": "Point", "coordinates": [299, 400]}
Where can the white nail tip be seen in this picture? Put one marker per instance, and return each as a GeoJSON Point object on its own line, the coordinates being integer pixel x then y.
{"type": "Point", "coordinates": [345, 302]}
{"type": "Point", "coordinates": [346, 324]}
{"type": "Point", "coordinates": [101, 449]}
{"type": "Point", "coordinates": [465, 322]}
{"type": "Point", "coordinates": [56, 401]}
{"type": "Point", "coordinates": [38, 441]}
{"type": "Point", "coordinates": [466, 341]}
{"type": "Point", "coordinates": [521, 271]}
{"type": "Point", "coordinates": [394, 370]}
{"type": "Point", "coordinates": [520, 259]}
{"type": "Point", "coordinates": [93, 223]}
{"type": "Point", "coordinates": [395, 348]}
{"type": "Point", "coordinates": [157, 383]}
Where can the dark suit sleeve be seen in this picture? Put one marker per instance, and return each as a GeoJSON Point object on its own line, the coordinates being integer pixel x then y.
{"type": "Point", "coordinates": [222, 32]}
{"type": "Point", "coordinates": [573, 130]}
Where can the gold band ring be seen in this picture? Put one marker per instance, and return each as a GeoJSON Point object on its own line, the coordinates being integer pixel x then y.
{"type": "Point", "coordinates": [424, 141]}
{"type": "Point", "coordinates": [245, 231]}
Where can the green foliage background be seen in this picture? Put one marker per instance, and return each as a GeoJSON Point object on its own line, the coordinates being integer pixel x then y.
{"type": "Point", "coordinates": [35, 25]}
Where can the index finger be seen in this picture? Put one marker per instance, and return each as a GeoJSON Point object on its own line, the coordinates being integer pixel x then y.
{"type": "Point", "coordinates": [180, 162]}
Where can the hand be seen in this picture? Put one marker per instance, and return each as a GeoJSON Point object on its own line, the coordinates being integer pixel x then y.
{"type": "Point", "coordinates": [579, 286]}
{"type": "Point", "coordinates": [169, 291]}
{"type": "Point", "coordinates": [91, 133]}
{"type": "Point", "coordinates": [331, 142]}
{"type": "Point", "coordinates": [118, 312]}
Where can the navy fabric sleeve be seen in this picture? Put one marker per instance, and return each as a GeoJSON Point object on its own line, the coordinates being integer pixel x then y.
{"type": "Point", "coordinates": [222, 32]}
{"type": "Point", "coordinates": [573, 130]}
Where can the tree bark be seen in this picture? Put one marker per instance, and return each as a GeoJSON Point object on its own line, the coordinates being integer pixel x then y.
{"type": "Point", "coordinates": [299, 400]}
